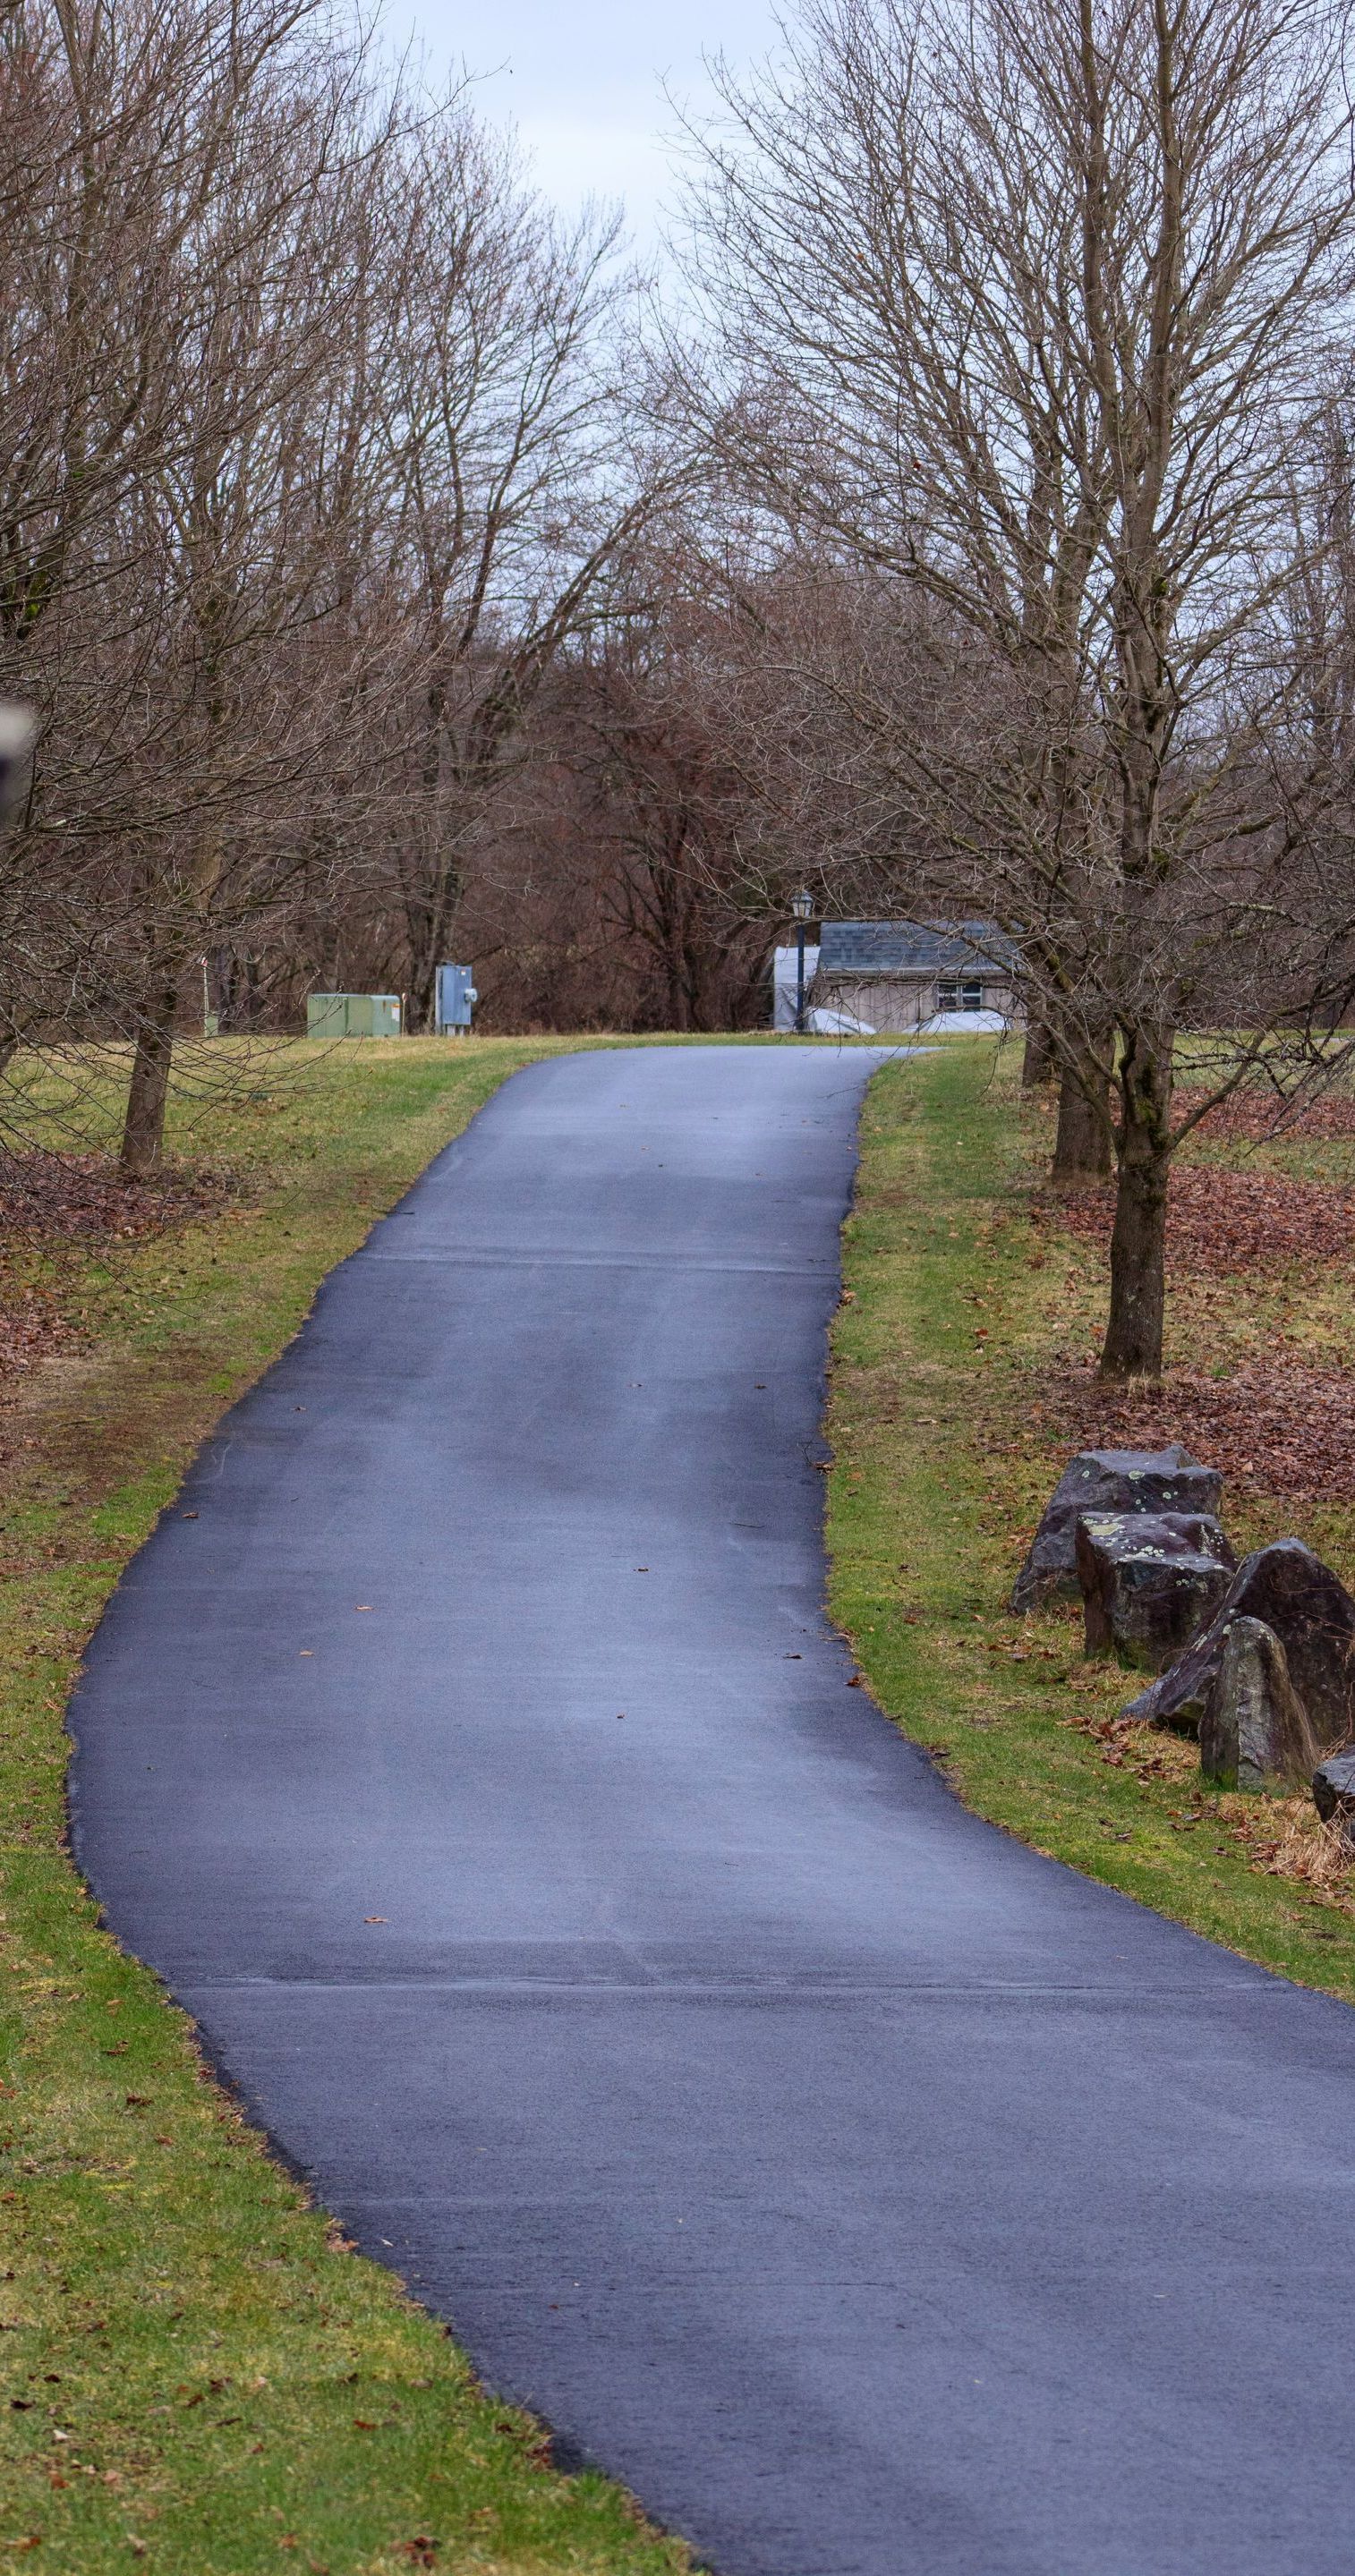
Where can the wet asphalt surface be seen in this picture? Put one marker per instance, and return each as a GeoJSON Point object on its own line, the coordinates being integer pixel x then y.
{"type": "Point", "coordinates": [872, 2195]}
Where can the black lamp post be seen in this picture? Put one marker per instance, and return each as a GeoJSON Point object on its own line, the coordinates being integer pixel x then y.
{"type": "Point", "coordinates": [802, 905]}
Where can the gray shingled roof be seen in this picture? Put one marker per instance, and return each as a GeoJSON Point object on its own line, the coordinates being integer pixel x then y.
{"type": "Point", "coordinates": [909, 948]}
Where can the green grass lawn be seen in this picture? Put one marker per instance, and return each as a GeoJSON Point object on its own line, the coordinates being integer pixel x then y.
{"type": "Point", "coordinates": [198, 2375]}
{"type": "Point", "coordinates": [937, 1483]}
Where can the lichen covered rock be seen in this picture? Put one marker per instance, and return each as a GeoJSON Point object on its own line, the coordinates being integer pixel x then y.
{"type": "Point", "coordinates": [1293, 1593]}
{"type": "Point", "coordinates": [1334, 1793]}
{"type": "Point", "coordinates": [1109, 1480]}
{"type": "Point", "coordinates": [1150, 1581]}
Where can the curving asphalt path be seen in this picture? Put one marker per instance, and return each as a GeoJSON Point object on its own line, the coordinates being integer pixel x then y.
{"type": "Point", "coordinates": [876, 2197]}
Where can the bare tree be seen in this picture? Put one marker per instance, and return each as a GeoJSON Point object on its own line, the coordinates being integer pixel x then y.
{"type": "Point", "coordinates": [667, 719]}
{"type": "Point", "coordinates": [510, 483]}
{"type": "Point", "coordinates": [174, 292]}
{"type": "Point", "coordinates": [247, 538]}
{"type": "Point", "coordinates": [311, 455]}
{"type": "Point", "coordinates": [1030, 310]}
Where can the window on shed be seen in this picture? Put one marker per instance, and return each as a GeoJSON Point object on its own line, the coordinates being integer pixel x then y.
{"type": "Point", "coordinates": [960, 993]}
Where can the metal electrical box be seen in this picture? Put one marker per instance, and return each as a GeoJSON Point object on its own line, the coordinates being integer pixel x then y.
{"type": "Point", "coordinates": [456, 998]}
{"type": "Point", "coordinates": [353, 1015]}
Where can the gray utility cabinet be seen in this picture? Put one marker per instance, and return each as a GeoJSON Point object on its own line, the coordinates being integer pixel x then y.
{"type": "Point", "coordinates": [353, 1015]}
{"type": "Point", "coordinates": [456, 998]}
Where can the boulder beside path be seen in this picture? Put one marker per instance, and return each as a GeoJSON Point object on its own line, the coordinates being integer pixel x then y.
{"type": "Point", "coordinates": [1109, 1480]}
{"type": "Point", "coordinates": [1150, 1581]}
{"type": "Point", "coordinates": [1291, 1592]}
{"type": "Point", "coordinates": [1334, 1793]}
{"type": "Point", "coordinates": [1254, 1728]}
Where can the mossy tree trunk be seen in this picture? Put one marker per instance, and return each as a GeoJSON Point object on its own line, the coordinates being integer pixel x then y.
{"type": "Point", "coordinates": [1133, 1343]}
{"type": "Point", "coordinates": [1037, 1064]}
{"type": "Point", "coordinates": [1083, 1146]}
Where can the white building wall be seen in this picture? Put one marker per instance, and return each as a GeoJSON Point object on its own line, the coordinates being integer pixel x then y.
{"type": "Point", "coordinates": [897, 1005]}
{"type": "Point", "coordinates": [890, 1003]}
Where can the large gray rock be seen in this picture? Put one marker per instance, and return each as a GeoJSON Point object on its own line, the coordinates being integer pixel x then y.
{"type": "Point", "coordinates": [1334, 1793]}
{"type": "Point", "coordinates": [1108, 1480]}
{"type": "Point", "coordinates": [1291, 1591]}
{"type": "Point", "coordinates": [1150, 1581]}
{"type": "Point", "coordinates": [1254, 1729]}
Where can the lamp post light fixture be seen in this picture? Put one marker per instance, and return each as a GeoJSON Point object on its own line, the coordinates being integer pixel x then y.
{"type": "Point", "coordinates": [802, 905]}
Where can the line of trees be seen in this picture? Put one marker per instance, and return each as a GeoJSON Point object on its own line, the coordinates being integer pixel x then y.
{"type": "Point", "coordinates": [311, 455]}
{"type": "Point", "coordinates": [979, 540]}
{"type": "Point", "coordinates": [1036, 314]}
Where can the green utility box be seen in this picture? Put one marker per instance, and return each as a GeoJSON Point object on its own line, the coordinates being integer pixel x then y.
{"type": "Point", "coordinates": [353, 1015]}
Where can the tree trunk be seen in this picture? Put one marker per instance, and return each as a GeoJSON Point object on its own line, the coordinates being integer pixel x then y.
{"type": "Point", "coordinates": [1133, 1343]}
{"type": "Point", "coordinates": [679, 1008]}
{"type": "Point", "coordinates": [1082, 1146]}
{"type": "Point", "coordinates": [679, 1004]}
{"type": "Point", "coordinates": [429, 948]}
{"type": "Point", "coordinates": [143, 1136]}
{"type": "Point", "coordinates": [421, 997]}
{"type": "Point", "coordinates": [1037, 1064]}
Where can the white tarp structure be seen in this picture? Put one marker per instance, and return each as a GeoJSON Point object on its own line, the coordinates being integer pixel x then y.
{"type": "Point", "coordinates": [965, 1024]}
{"type": "Point", "coordinates": [783, 984]}
{"type": "Point", "coordinates": [835, 1024]}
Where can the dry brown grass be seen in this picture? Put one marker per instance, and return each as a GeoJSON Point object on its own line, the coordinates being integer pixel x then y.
{"type": "Point", "coordinates": [1288, 1839]}
{"type": "Point", "coordinates": [1284, 1837]}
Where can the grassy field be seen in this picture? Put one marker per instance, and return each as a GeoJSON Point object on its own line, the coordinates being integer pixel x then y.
{"type": "Point", "coordinates": [959, 1314]}
{"type": "Point", "coordinates": [199, 2377]}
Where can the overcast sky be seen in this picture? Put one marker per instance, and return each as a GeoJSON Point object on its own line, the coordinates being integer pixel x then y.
{"type": "Point", "coordinates": [583, 80]}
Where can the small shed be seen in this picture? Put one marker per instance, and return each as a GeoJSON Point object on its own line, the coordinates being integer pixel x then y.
{"type": "Point", "coordinates": [905, 976]}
